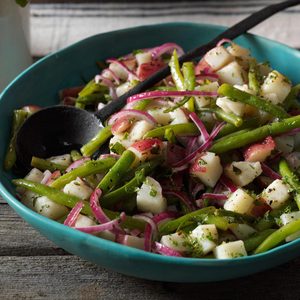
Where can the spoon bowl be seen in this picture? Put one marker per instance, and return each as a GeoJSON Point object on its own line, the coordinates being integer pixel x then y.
{"type": "Point", "coordinates": [53, 131]}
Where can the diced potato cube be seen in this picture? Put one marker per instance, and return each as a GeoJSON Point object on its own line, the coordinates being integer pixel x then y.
{"type": "Point", "coordinates": [84, 221]}
{"type": "Point", "coordinates": [203, 101]}
{"type": "Point", "coordinates": [133, 241]}
{"type": "Point", "coordinates": [160, 116]}
{"type": "Point", "coordinates": [288, 218]}
{"type": "Point", "coordinates": [46, 207]}
{"type": "Point", "coordinates": [243, 172]}
{"type": "Point", "coordinates": [149, 197]}
{"type": "Point", "coordinates": [242, 231]}
{"type": "Point", "coordinates": [230, 250]}
{"type": "Point", "coordinates": [276, 194]}
{"type": "Point", "coordinates": [35, 175]}
{"type": "Point", "coordinates": [178, 117]}
{"type": "Point", "coordinates": [230, 106]}
{"type": "Point", "coordinates": [207, 167]}
{"type": "Point", "coordinates": [176, 241]}
{"type": "Point", "coordinates": [206, 236]}
{"type": "Point", "coordinates": [78, 188]}
{"type": "Point", "coordinates": [232, 73]}
{"type": "Point", "coordinates": [64, 160]}
{"type": "Point", "coordinates": [239, 202]}
{"type": "Point", "coordinates": [122, 139]}
{"type": "Point", "coordinates": [236, 50]}
{"type": "Point", "coordinates": [138, 130]}
{"type": "Point", "coordinates": [285, 143]}
{"type": "Point", "coordinates": [276, 83]}
{"type": "Point", "coordinates": [143, 57]}
{"type": "Point", "coordinates": [218, 57]}
{"type": "Point", "coordinates": [118, 70]}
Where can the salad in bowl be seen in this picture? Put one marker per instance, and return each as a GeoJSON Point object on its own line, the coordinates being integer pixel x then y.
{"type": "Point", "coordinates": [204, 164]}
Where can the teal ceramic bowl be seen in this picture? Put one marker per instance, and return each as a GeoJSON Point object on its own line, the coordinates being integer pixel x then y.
{"type": "Point", "coordinates": [39, 85]}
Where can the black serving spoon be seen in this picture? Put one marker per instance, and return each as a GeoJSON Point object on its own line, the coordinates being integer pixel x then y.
{"type": "Point", "coordinates": [58, 129]}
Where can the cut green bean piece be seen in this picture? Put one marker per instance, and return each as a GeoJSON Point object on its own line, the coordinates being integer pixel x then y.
{"type": "Point", "coordinates": [19, 117]}
{"type": "Point", "coordinates": [291, 178]}
{"type": "Point", "coordinates": [230, 118]}
{"type": "Point", "coordinates": [96, 142]}
{"type": "Point", "coordinates": [70, 201]}
{"type": "Point", "coordinates": [75, 155]}
{"type": "Point", "coordinates": [278, 236]}
{"type": "Point", "coordinates": [86, 169]}
{"type": "Point", "coordinates": [292, 96]}
{"type": "Point", "coordinates": [240, 96]}
{"type": "Point", "coordinates": [44, 164]}
{"type": "Point", "coordinates": [254, 77]}
{"type": "Point", "coordinates": [115, 174]}
{"type": "Point", "coordinates": [255, 240]}
{"type": "Point", "coordinates": [255, 135]}
{"type": "Point", "coordinates": [188, 129]}
{"type": "Point", "coordinates": [176, 72]}
{"type": "Point", "coordinates": [171, 226]}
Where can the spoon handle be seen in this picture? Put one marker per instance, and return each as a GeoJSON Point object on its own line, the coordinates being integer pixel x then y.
{"type": "Point", "coordinates": [230, 33]}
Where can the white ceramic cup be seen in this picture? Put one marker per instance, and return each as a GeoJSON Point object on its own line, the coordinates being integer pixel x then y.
{"type": "Point", "coordinates": [14, 41]}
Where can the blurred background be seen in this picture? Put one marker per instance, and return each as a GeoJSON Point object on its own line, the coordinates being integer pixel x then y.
{"type": "Point", "coordinates": [57, 23]}
{"type": "Point", "coordinates": [45, 26]}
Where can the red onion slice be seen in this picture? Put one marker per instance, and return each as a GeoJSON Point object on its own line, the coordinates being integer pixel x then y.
{"type": "Point", "coordinates": [228, 183]}
{"type": "Point", "coordinates": [111, 225]}
{"type": "Point", "coordinates": [223, 41]}
{"type": "Point", "coordinates": [156, 94]}
{"type": "Point", "coordinates": [164, 250]}
{"type": "Point", "coordinates": [123, 66]}
{"type": "Point", "coordinates": [166, 48]}
{"type": "Point", "coordinates": [150, 231]}
{"type": "Point", "coordinates": [214, 196]}
{"type": "Point", "coordinates": [77, 163]}
{"type": "Point", "coordinates": [47, 176]}
{"type": "Point", "coordinates": [96, 208]}
{"type": "Point", "coordinates": [269, 172]}
{"type": "Point", "coordinates": [73, 214]}
{"type": "Point", "coordinates": [182, 197]}
{"type": "Point", "coordinates": [164, 216]}
{"type": "Point", "coordinates": [113, 75]}
{"type": "Point", "coordinates": [200, 126]}
{"type": "Point", "coordinates": [132, 114]}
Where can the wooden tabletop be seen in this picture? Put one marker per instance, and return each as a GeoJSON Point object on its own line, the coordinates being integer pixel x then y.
{"type": "Point", "coordinates": [31, 267]}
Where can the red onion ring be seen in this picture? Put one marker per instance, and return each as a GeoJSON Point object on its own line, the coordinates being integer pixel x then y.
{"type": "Point", "coordinates": [73, 214]}
{"type": "Point", "coordinates": [77, 163]}
{"type": "Point", "coordinates": [164, 250]}
{"type": "Point", "coordinates": [166, 48]}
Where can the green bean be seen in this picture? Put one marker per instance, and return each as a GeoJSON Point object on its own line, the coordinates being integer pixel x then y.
{"type": "Point", "coordinates": [91, 99]}
{"type": "Point", "coordinates": [188, 70]}
{"type": "Point", "coordinates": [117, 148]}
{"type": "Point", "coordinates": [230, 118]}
{"type": "Point", "coordinates": [220, 222]}
{"type": "Point", "coordinates": [19, 117]}
{"type": "Point", "coordinates": [236, 133]}
{"type": "Point", "coordinates": [75, 155]}
{"type": "Point", "coordinates": [291, 97]}
{"type": "Point", "coordinates": [70, 201]}
{"type": "Point", "coordinates": [255, 135]}
{"type": "Point", "coordinates": [88, 168]}
{"type": "Point", "coordinates": [91, 88]}
{"type": "Point", "coordinates": [234, 216]}
{"type": "Point", "coordinates": [256, 239]}
{"type": "Point", "coordinates": [254, 77]}
{"type": "Point", "coordinates": [278, 236]}
{"type": "Point", "coordinates": [115, 174]}
{"type": "Point", "coordinates": [187, 129]}
{"type": "Point", "coordinates": [44, 164]}
{"type": "Point", "coordinates": [176, 72]}
{"type": "Point", "coordinates": [189, 78]}
{"type": "Point", "coordinates": [142, 104]}
{"type": "Point", "coordinates": [130, 187]}
{"type": "Point", "coordinates": [247, 123]}
{"type": "Point", "coordinates": [80, 105]}
{"type": "Point", "coordinates": [171, 226]}
{"type": "Point", "coordinates": [97, 141]}
{"type": "Point", "coordinates": [291, 178]}
{"type": "Point", "coordinates": [170, 136]}
{"type": "Point", "coordinates": [240, 96]}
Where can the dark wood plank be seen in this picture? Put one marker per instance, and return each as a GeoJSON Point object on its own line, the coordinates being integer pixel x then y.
{"type": "Point", "coordinates": [69, 277]}
{"type": "Point", "coordinates": [19, 238]}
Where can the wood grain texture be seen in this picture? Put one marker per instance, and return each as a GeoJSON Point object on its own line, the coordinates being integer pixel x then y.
{"type": "Point", "coordinates": [69, 277]}
{"type": "Point", "coordinates": [34, 268]}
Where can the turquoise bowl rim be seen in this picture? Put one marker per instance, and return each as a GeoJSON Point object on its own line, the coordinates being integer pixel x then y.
{"type": "Point", "coordinates": [122, 250]}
